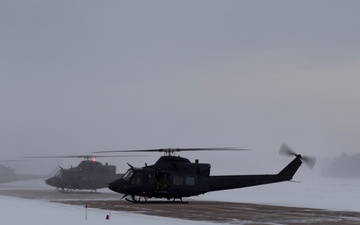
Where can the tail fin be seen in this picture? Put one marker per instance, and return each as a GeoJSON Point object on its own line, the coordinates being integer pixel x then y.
{"type": "Point", "coordinates": [289, 171]}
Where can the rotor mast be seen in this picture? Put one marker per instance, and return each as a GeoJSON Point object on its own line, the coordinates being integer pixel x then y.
{"type": "Point", "coordinates": [170, 151]}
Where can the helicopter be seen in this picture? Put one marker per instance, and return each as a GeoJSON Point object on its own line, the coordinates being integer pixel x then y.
{"type": "Point", "coordinates": [7, 174]}
{"type": "Point", "coordinates": [88, 175]}
{"type": "Point", "coordinates": [175, 177]}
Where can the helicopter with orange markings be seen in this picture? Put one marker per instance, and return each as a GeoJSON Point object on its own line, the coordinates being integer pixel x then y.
{"type": "Point", "coordinates": [88, 175]}
{"type": "Point", "coordinates": [174, 177]}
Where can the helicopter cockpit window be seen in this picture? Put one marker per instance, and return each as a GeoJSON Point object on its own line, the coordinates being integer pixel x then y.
{"type": "Point", "coordinates": [137, 178]}
{"type": "Point", "coordinates": [128, 175]}
{"type": "Point", "coordinates": [59, 174]}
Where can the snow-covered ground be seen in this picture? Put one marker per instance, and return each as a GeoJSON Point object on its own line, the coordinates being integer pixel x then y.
{"type": "Point", "coordinates": [313, 192]}
{"type": "Point", "coordinates": [18, 211]}
{"type": "Point", "coordinates": [323, 193]}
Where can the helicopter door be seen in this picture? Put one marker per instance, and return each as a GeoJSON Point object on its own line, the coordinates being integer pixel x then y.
{"type": "Point", "coordinates": [137, 178]}
{"type": "Point", "coordinates": [162, 181]}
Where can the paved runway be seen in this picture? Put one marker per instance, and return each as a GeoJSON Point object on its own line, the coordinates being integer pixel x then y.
{"type": "Point", "coordinates": [212, 211]}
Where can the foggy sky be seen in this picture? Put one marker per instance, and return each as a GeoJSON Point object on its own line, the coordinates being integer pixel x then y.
{"type": "Point", "coordinates": [83, 76]}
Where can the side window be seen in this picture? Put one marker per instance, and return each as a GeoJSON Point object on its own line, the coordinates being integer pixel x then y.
{"type": "Point", "coordinates": [162, 181]}
{"type": "Point", "coordinates": [151, 178]}
{"type": "Point", "coordinates": [190, 181]}
{"type": "Point", "coordinates": [178, 180]}
{"type": "Point", "coordinates": [84, 177]}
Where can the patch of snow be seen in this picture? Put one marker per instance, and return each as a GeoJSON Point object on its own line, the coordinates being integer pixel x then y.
{"type": "Point", "coordinates": [323, 193]}
{"type": "Point", "coordinates": [18, 211]}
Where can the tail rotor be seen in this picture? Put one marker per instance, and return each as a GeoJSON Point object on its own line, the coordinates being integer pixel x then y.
{"type": "Point", "coordinates": [308, 160]}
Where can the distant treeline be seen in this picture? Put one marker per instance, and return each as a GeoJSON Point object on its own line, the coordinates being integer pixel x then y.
{"type": "Point", "coordinates": [344, 166]}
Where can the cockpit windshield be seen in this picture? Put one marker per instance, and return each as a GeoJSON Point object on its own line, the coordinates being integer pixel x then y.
{"type": "Point", "coordinates": [59, 174]}
{"type": "Point", "coordinates": [128, 175]}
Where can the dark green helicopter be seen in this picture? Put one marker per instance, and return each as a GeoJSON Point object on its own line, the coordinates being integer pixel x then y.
{"type": "Point", "coordinates": [7, 174]}
{"type": "Point", "coordinates": [175, 177]}
{"type": "Point", "coordinates": [88, 175]}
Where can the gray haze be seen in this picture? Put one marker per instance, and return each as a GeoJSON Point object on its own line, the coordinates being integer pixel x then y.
{"type": "Point", "coordinates": [83, 76]}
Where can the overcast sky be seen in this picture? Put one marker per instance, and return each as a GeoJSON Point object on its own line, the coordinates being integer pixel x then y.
{"type": "Point", "coordinates": [83, 76]}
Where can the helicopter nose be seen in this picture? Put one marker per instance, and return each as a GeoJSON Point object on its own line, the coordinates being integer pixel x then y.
{"type": "Point", "coordinates": [118, 186]}
{"type": "Point", "coordinates": [51, 181]}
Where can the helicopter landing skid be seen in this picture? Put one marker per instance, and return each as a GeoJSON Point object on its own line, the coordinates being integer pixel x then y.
{"type": "Point", "coordinates": [76, 192]}
{"type": "Point", "coordinates": [154, 202]}
{"type": "Point", "coordinates": [68, 191]}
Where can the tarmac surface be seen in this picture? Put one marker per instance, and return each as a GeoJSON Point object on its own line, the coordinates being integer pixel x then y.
{"type": "Point", "coordinates": [212, 211]}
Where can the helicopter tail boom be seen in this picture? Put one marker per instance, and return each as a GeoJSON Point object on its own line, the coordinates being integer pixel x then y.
{"type": "Point", "coordinates": [289, 171]}
{"type": "Point", "coordinates": [218, 183]}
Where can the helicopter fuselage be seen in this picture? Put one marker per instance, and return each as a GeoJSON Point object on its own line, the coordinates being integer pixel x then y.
{"type": "Point", "coordinates": [88, 175]}
{"type": "Point", "coordinates": [170, 177]}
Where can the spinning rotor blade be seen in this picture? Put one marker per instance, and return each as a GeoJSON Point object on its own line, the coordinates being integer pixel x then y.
{"type": "Point", "coordinates": [308, 160]}
{"type": "Point", "coordinates": [78, 156]}
{"type": "Point", "coordinates": [172, 150]}
{"type": "Point", "coordinates": [286, 150]}
{"type": "Point", "coordinates": [13, 160]}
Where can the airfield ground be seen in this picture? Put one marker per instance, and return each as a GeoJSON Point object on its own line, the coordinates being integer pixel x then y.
{"type": "Point", "coordinates": [212, 211]}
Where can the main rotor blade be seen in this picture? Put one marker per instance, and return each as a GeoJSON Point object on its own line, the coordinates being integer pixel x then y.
{"type": "Point", "coordinates": [178, 150]}
{"type": "Point", "coordinates": [13, 160]}
{"type": "Point", "coordinates": [77, 156]}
